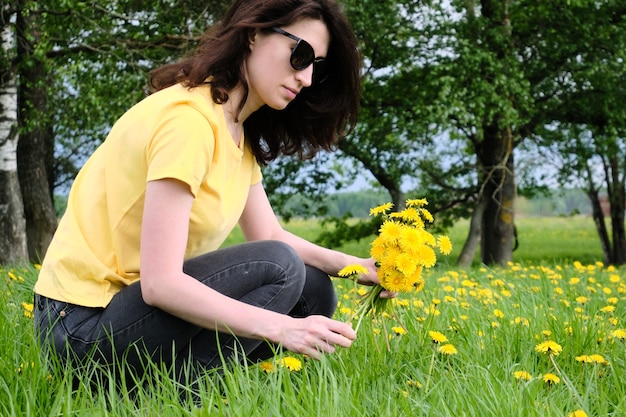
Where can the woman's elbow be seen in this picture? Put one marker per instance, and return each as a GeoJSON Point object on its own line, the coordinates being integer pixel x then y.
{"type": "Point", "coordinates": [150, 293]}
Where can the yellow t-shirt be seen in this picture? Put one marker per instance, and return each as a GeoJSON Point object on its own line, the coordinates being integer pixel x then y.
{"type": "Point", "coordinates": [174, 133]}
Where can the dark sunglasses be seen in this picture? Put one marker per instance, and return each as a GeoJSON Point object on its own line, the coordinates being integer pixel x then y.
{"type": "Point", "coordinates": [303, 55]}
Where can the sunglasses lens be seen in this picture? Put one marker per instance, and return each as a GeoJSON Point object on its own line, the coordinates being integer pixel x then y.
{"type": "Point", "coordinates": [320, 70]}
{"type": "Point", "coordinates": [302, 55]}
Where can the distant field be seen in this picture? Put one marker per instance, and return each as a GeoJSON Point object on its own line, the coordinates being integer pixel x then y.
{"type": "Point", "coordinates": [541, 239]}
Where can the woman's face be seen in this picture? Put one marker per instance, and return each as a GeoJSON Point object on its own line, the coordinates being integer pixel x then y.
{"type": "Point", "coordinates": [271, 78]}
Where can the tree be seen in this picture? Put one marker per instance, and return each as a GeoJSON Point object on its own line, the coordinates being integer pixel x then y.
{"type": "Point", "coordinates": [36, 145]}
{"type": "Point", "coordinates": [12, 224]}
{"type": "Point", "coordinates": [584, 135]}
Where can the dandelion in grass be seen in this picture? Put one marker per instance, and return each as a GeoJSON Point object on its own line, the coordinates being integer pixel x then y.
{"type": "Point", "coordinates": [551, 379]}
{"type": "Point", "coordinates": [291, 363]}
{"type": "Point", "coordinates": [619, 334]}
{"type": "Point", "coordinates": [523, 375]}
{"type": "Point", "coordinates": [608, 309]}
{"type": "Point", "coordinates": [549, 347]}
{"type": "Point", "coordinates": [447, 349]}
{"type": "Point", "coordinates": [28, 310]}
{"type": "Point", "coordinates": [414, 384]}
{"type": "Point", "coordinates": [577, 413]}
{"type": "Point", "coordinates": [266, 366]}
{"type": "Point", "coordinates": [596, 358]}
{"type": "Point", "coordinates": [437, 337]}
{"type": "Point", "coordinates": [398, 330]}
{"type": "Point", "coordinates": [582, 299]}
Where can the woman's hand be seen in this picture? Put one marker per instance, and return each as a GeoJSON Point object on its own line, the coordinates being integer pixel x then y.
{"type": "Point", "coordinates": [315, 335]}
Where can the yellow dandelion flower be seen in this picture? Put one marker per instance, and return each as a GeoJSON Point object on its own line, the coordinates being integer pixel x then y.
{"type": "Point", "coordinates": [608, 309]}
{"type": "Point", "coordinates": [551, 379]}
{"type": "Point", "coordinates": [437, 337]}
{"type": "Point", "coordinates": [416, 202]}
{"type": "Point", "coordinates": [406, 264]}
{"type": "Point", "coordinates": [577, 413]}
{"type": "Point", "coordinates": [28, 310]}
{"type": "Point", "coordinates": [395, 281]}
{"type": "Point", "coordinates": [390, 231]}
{"type": "Point", "coordinates": [418, 285]}
{"type": "Point", "coordinates": [377, 251]}
{"type": "Point", "coordinates": [415, 384]}
{"type": "Point", "coordinates": [447, 349]}
{"type": "Point", "coordinates": [549, 348]}
{"type": "Point", "coordinates": [398, 330]}
{"type": "Point", "coordinates": [619, 334]}
{"type": "Point", "coordinates": [266, 366]}
{"type": "Point", "coordinates": [599, 359]}
{"type": "Point", "coordinates": [581, 299]}
{"type": "Point", "coordinates": [523, 375]}
{"type": "Point", "coordinates": [291, 363]}
{"type": "Point", "coordinates": [410, 238]}
{"type": "Point", "coordinates": [498, 313]}
{"type": "Point", "coordinates": [400, 303]}
{"type": "Point", "coordinates": [428, 238]}
{"type": "Point", "coordinates": [444, 244]}
{"type": "Point", "coordinates": [352, 270]}
{"type": "Point", "coordinates": [382, 209]}
{"type": "Point", "coordinates": [426, 256]}
{"type": "Point", "coordinates": [410, 215]}
{"type": "Point", "coordinates": [426, 215]}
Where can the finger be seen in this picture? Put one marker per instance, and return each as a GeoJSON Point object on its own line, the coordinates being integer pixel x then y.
{"type": "Point", "coordinates": [388, 294]}
{"type": "Point", "coordinates": [343, 329]}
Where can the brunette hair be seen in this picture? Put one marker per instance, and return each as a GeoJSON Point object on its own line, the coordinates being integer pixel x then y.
{"type": "Point", "coordinates": [318, 116]}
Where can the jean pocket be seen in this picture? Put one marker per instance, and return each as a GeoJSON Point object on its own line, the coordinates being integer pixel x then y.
{"type": "Point", "coordinates": [77, 322]}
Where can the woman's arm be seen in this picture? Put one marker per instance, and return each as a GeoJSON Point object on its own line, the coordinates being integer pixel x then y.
{"type": "Point", "coordinates": [258, 222]}
{"type": "Point", "coordinates": [165, 285]}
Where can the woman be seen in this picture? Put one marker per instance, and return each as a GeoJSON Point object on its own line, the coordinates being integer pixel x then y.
{"type": "Point", "coordinates": [174, 176]}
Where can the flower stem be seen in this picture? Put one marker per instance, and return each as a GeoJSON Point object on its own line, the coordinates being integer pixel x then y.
{"type": "Point", "coordinates": [568, 383]}
{"type": "Point", "coordinates": [430, 372]}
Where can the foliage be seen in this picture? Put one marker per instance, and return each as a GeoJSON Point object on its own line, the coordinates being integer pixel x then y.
{"type": "Point", "coordinates": [100, 55]}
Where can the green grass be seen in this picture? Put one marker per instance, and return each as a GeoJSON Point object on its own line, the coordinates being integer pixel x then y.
{"type": "Point", "coordinates": [555, 290]}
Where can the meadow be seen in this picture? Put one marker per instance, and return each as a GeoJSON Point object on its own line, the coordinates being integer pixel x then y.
{"type": "Point", "coordinates": [543, 336]}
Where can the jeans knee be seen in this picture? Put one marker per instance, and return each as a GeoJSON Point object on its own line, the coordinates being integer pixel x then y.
{"type": "Point", "coordinates": [286, 256]}
{"type": "Point", "coordinates": [318, 296]}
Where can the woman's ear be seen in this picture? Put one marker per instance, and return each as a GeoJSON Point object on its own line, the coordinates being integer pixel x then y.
{"type": "Point", "coordinates": [252, 38]}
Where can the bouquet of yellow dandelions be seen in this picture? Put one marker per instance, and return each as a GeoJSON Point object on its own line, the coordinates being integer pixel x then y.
{"type": "Point", "coordinates": [402, 249]}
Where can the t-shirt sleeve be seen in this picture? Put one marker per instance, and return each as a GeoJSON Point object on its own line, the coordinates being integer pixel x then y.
{"type": "Point", "coordinates": [181, 147]}
{"type": "Point", "coordinates": [257, 175]}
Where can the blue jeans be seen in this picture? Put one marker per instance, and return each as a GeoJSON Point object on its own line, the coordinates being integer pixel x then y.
{"type": "Point", "coordinates": [267, 274]}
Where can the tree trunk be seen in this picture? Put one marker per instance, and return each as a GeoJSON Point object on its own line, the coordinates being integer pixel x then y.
{"type": "Point", "coordinates": [473, 236]}
{"type": "Point", "coordinates": [35, 148]}
{"type": "Point", "coordinates": [12, 224]}
{"type": "Point", "coordinates": [495, 152]}
{"type": "Point", "coordinates": [498, 234]}
{"type": "Point", "coordinates": [617, 203]}
{"type": "Point", "coordinates": [598, 216]}
{"type": "Point", "coordinates": [598, 219]}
